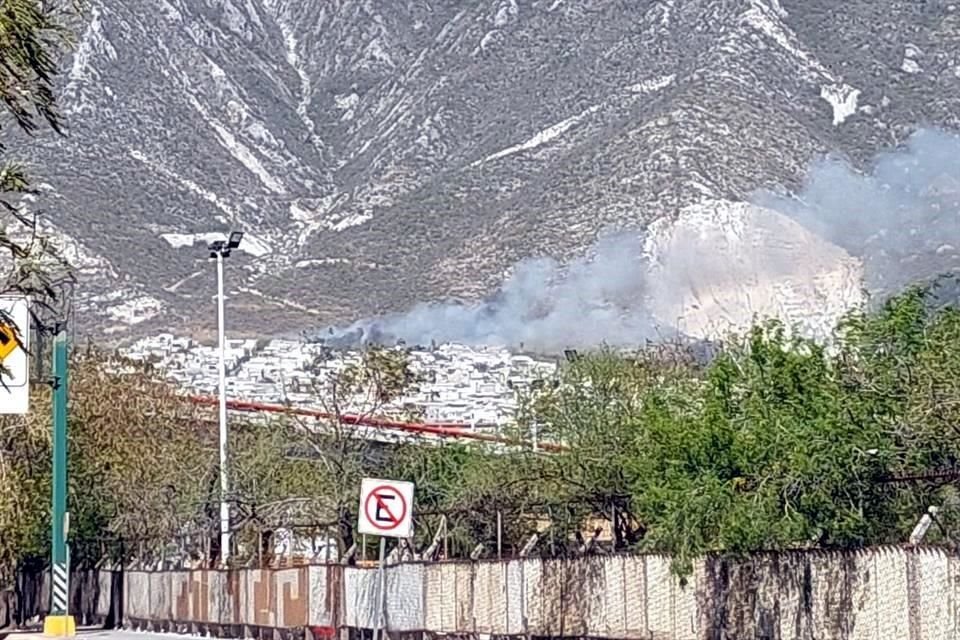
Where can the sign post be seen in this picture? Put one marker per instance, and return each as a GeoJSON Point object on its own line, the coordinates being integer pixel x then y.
{"type": "Point", "coordinates": [66, 606]}
{"type": "Point", "coordinates": [59, 622]}
{"type": "Point", "coordinates": [386, 510]}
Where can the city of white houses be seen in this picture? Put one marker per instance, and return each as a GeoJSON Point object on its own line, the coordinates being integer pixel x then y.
{"type": "Point", "coordinates": [477, 386]}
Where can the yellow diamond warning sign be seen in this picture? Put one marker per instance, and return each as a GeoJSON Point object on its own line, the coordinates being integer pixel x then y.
{"type": "Point", "coordinates": [15, 377]}
{"type": "Point", "coordinates": [8, 341]}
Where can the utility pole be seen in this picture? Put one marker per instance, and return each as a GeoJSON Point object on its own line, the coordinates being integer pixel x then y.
{"type": "Point", "coordinates": [59, 622]}
{"type": "Point", "coordinates": [218, 251]}
{"type": "Point", "coordinates": [224, 476]}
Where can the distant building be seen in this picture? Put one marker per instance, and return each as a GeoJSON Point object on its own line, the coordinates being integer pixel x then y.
{"type": "Point", "coordinates": [476, 386]}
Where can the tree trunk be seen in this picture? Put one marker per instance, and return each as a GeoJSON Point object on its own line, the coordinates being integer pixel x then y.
{"type": "Point", "coordinates": [345, 531]}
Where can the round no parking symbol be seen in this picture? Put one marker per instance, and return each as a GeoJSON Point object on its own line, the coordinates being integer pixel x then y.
{"type": "Point", "coordinates": [385, 508]}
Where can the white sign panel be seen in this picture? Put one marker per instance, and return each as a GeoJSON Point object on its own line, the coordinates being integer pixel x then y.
{"type": "Point", "coordinates": [14, 341]}
{"type": "Point", "coordinates": [386, 508]}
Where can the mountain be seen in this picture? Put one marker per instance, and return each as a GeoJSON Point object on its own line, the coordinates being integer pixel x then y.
{"type": "Point", "coordinates": [380, 154]}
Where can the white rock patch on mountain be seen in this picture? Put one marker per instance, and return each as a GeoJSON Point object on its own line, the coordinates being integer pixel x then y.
{"type": "Point", "coordinates": [723, 265]}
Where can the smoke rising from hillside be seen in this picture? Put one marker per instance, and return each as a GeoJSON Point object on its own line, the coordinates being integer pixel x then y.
{"type": "Point", "coordinates": [543, 304]}
{"type": "Point", "coordinates": [901, 218]}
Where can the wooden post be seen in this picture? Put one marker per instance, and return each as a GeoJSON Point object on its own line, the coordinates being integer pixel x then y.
{"type": "Point", "coordinates": [379, 632]}
{"type": "Point", "coordinates": [446, 539]}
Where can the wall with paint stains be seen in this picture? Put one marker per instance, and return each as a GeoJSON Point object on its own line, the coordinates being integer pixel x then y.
{"type": "Point", "coordinates": [882, 593]}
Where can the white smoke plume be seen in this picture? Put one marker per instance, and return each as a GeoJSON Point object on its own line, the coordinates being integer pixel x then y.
{"type": "Point", "coordinates": [901, 219]}
{"type": "Point", "coordinates": [543, 304]}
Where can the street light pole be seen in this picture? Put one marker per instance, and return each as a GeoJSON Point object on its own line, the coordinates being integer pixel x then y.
{"type": "Point", "coordinates": [59, 622]}
{"type": "Point", "coordinates": [224, 477]}
{"type": "Point", "coordinates": [218, 251]}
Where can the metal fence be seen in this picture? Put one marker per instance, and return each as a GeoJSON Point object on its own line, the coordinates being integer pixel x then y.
{"type": "Point", "coordinates": [883, 593]}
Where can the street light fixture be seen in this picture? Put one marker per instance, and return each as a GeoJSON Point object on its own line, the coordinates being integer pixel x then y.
{"type": "Point", "coordinates": [219, 250]}
{"type": "Point", "coordinates": [234, 241]}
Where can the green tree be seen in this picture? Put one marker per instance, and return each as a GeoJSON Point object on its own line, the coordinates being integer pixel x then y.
{"type": "Point", "coordinates": [33, 37]}
{"type": "Point", "coordinates": [470, 484]}
{"type": "Point", "coordinates": [343, 450]}
{"type": "Point", "coordinates": [772, 458]}
{"type": "Point", "coordinates": [778, 442]}
{"type": "Point", "coordinates": [904, 360]}
{"type": "Point", "coordinates": [138, 454]}
{"type": "Point", "coordinates": [276, 484]}
{"type": "Point", "coordinates": [600, 411]}
{"type": "Point", "coordinates": [142, 457]}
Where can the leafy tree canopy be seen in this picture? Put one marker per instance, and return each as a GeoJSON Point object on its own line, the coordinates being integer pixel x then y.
{"type": "Point", "coordinates": [33, 35]}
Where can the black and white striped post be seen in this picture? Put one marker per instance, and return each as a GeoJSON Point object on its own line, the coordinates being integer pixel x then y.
{"type": "Point", "coordinates": [61, 586]}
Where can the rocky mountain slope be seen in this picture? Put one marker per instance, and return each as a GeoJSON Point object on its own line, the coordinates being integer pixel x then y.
{"type": "Point", "coordinates": [384, 153]}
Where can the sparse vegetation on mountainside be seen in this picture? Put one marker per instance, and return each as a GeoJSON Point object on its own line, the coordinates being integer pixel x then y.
{"type": "Point", "coordinates": [534, 139]}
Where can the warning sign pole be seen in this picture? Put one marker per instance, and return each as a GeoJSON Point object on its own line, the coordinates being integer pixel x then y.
{"type": "Point", "coordinates": [59, 622]}
{"type": "Point", "coordinates": [382, 592]}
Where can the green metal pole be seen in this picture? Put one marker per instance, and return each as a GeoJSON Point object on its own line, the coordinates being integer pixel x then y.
{"type": "Point", "coordinates": [58, 623]}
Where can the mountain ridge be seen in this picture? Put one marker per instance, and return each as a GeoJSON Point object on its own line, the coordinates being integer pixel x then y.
{"type": "Point", "coordinates": [383, 154]}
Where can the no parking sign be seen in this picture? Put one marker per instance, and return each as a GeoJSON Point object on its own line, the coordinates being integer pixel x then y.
{"type": "Point", "coordinates": [386, 508]}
